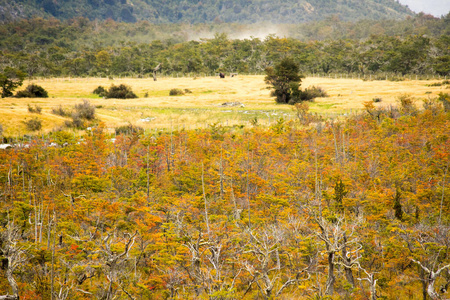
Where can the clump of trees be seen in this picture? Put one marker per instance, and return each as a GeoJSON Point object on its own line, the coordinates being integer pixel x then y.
{"type": "Point", "coordinates": [33, 91]}
{"type": "Point", "coordinates": [285, 80]}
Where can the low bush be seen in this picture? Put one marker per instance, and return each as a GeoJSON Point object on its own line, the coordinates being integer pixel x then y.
{"type": "Point", "coordinates": [36, 109]}
{"type": "Point", "coordinates": [129, 129]}
{"type": "Point", "coordinates": [407, 104]}
{"type": "Point", "coordinates": [377, 99]}
{"type": "Point", "coordinates": [101, 91]}
{"type": "Point", "coordinates": [33, 91]}
{"type": "Point", "coordinates": [84, 111]}
{"type": "Point", "coordinates": [33, 124]}
{"type": "Point", "coordinates": [176, 92]}
{"type": "Point", "coordinates": [312, 92]}
{"type": "Point", "coordinates": [60, 112]}
{"type": "Point", "coordinates": [120, 92]}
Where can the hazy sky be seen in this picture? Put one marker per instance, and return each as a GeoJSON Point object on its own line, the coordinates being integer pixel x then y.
{"type": "Point", "coordinates": [434, 7]}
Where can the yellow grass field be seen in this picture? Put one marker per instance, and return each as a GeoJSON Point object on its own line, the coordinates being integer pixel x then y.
{"type": "Point", "coordinates": [156, 109]}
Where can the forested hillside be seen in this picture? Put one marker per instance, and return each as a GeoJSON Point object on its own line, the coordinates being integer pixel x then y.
{"type": "Point", "coordinates": [350, 209]}
{"type": "Point", "coordinates": [206, 11]}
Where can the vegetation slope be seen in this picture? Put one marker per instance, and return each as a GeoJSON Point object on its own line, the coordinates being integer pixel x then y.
{"type": "Point", "coordinates": [207, 11]}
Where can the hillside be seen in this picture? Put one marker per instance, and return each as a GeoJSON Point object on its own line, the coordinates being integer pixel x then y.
{"type": "Point", "coordinates": [207, 11]}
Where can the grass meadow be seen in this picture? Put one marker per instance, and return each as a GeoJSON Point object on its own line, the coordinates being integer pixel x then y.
{"type": "Point", "coordinates": [155, 109]}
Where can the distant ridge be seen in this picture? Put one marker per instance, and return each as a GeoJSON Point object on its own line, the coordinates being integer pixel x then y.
{"type": "Point", "coordinates": [205, 11]}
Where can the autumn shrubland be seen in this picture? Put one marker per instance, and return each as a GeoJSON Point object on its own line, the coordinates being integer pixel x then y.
{"type": "Point", "coordinates": [341, 208]}
{"type": "Point", "coordinates": [155, 108]}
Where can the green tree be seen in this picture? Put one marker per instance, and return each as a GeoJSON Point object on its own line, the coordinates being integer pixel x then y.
{"type": "Point", "coordinates": [285, 81]}
{"type": "Point", "coordinates": [10, 79]}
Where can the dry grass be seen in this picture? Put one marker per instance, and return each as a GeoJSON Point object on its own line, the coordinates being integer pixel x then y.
{"type": "Point", "coordinates": [202, 106]}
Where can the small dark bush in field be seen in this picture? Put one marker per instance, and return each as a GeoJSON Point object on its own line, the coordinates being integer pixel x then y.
{"type": "Point", "coordinates": [312, 92]}
{"type": "Point", "coordinates": [101, 91]}
{"type": "Point", "coordinates": [84, 111]}
{"type": "Point", "coordinates": [33, 124]}
{"type": "Point", "coordinates": [377, 99]}
{"type": "Point", "coordinates": [127, 129]}
{"type": "Point", "coordinates": [176, 92]}
{"type": "Point", "coordinates": [36, 109]}
{"type": "Point", "coordinates": [33, 91]}
{"type": "Point", "coordinates": [120, 92]}
{"type": "Point", "coordinates": [60, 112]}
{"type": "Point", "coordinates": [187, 91]}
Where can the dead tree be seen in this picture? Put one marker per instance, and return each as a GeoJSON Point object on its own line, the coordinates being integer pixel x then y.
{"type": "Point", "coordinates": [431, 278]}
{"type": "Point", "coordinates": [115, 264]}
{"type": "Point", "coordinates": [14, 256]}
{"type": "Point", "coordinates": [266, 264]}
{"type": "Point", "coordinates": [154, 71]}
{"type": "Point", "coordinates": [338, 237]}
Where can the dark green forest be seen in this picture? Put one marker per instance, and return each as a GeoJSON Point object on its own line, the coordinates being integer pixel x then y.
{"type": "Point", "coordinates": [79, 47]}
{"type": "Point", "coordinates": [206, 11]}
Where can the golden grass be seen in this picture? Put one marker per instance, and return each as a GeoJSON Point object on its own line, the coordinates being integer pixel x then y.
{"type": "Point", "coordinates": [202, 106]}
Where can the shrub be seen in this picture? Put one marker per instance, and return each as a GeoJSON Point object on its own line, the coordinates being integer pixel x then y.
{"type": "Point", "coordinates": [406, 103]}
{"type": "Point", "coordinates": [60, 112]}
{"type": "Point", "coordinates": [312, 92]}
{"type": "Point", "coordinates": [84, 111]}
{"type": "Point", "coordinates": [76, 122]}
{"type": "Point", "coordinates": [33, 91]}
{"type": "Point", "coordinates": [33, 124]}
{"type": "Point", "coordinates": [101, 91]}
{"type": "Point", "coordinates": [187, 91]}
{"type": "Point", "coordinates": [127, 129]}
{"type": "Point", "coordinates": [432, 105]}
{"type": "Point", "coordinates": [36, 109]}
{"type": "Point", "coordinates": [120, 92]}
{"type": "Point", "coordinates": [377, 99]}
{"type": "Point", "coordinates": [176, 92]}
{"type": "Point", "coordinates": [445, 98]}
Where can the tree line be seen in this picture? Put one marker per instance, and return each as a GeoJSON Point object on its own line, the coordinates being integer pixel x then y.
{"type": "Point", "coordinates": [355, 209]}
{"type": "Point", "coordinates": [53, 48]}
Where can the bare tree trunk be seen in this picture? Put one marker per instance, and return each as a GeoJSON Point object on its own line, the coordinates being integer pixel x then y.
{"type": "Point", "coordinates": [347, 269]}
{"type": "Point", "coordinates": [12, 282]}
{"type": "Point", "coordinates": [329, 289]}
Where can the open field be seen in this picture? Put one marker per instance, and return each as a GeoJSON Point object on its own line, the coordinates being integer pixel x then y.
{"type": "Point", "coordinates": [156, 109]}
